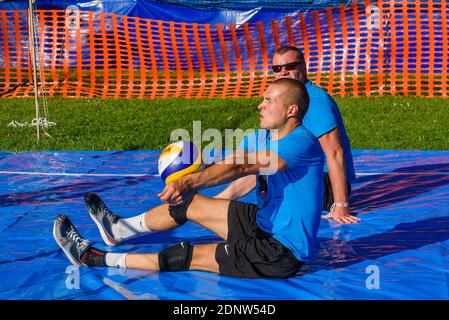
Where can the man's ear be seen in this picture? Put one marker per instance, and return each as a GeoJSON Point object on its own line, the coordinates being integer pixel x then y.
{"type": "Point", "coordinates": [293, 111]}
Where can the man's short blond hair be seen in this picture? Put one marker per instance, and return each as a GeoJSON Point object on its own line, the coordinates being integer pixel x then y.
{"type": "Point", "coordinates": [295, 93]}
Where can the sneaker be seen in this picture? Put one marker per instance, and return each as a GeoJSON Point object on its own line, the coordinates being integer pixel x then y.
{"type": "Point", "coordinates": [70, 240]}
{"type": "Point", "coordinates": [102, 216]}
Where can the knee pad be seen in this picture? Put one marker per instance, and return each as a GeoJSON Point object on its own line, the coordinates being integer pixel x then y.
{"type": "Point", "coordinates": [176, 258]}
{"type": "Point", "coordinates": [179, 213]}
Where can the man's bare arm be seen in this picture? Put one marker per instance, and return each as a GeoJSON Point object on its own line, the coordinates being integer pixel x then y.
{"type": "Point", "coordinates": [264, 162]}
{"type": "Point", "coordinates": [331, 144]}
{"type": "Point", "coordinates": [238, 188]}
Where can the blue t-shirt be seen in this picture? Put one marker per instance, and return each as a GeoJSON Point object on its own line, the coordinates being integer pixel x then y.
{"type": "Point", "coordinates": [291, 208]}
{"type": "Point", "coordinates": [323, 116]}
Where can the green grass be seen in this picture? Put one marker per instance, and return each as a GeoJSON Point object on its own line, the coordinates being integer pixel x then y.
{"type": "Point", "coordinates": [95, 124]}
{"type": "Point", "coordinates": [407, 123]}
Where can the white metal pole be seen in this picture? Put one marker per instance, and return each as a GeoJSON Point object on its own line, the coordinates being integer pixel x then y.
{"type": "Point", "coordinates": [31, 32]}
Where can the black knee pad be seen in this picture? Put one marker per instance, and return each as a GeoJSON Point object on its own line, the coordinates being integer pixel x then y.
{"type": "Point", "coordinates": [176, 258]}
{"type": "Point", "coordinates": [179, 213]}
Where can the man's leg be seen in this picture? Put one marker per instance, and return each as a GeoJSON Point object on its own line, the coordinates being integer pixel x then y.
{"type": "Point", "coordinates": [328, 198]}
{"type": "Point", "coordinates": [208, 212]}
{"type": "Point", "coordinates": [180, 257]}
{"type": "Point", "coordinates": [203, 258]}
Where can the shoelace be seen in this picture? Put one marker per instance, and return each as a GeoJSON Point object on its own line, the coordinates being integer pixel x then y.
{"type": "Point", "coordinates": [108, 213]}
{"type": "Point", "coordinates": [75, 237]}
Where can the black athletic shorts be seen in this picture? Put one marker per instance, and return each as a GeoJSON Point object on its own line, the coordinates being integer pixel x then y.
{"type": "Point", "coordinates": [328, 196]}
{"type": "Point", "coordinates": [250, 252]}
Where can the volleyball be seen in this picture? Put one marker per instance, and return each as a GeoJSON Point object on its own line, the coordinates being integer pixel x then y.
{"type": "Point", "coordinates": [178, 159]}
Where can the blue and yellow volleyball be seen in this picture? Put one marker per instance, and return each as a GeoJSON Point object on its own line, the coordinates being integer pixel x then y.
{"type": "Point", "coordinates": [178, 159]}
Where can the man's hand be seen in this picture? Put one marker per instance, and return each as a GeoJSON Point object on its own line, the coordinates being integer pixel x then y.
{"type": "Point", "coordinates": [342, 215]}
{"type": "Point", "coordinates": [176, 192]}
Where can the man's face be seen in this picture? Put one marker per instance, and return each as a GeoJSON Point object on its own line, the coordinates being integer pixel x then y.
{"type": "Point", "coordinates": [297, 65]}
{"type": "Point", "coordinates": [273, 111]}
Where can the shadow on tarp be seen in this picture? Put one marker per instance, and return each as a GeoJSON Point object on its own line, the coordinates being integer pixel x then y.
{"type": "Point", "coordinates": [398, 185]}
{"type": "Point", "coordinates": [69, 191]}
{"type": "Point", "coordinates": [335, 253]}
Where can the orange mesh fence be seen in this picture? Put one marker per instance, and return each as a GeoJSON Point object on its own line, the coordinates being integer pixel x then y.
{"type": "Point", "coordinates": [361, 49]}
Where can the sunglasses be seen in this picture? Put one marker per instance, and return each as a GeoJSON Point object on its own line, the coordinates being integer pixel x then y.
{"type": "Point", "coordinates": [288, 66]}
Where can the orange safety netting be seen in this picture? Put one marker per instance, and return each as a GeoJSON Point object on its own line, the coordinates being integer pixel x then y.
{"type": "Point", "coordinates": [361, 49]}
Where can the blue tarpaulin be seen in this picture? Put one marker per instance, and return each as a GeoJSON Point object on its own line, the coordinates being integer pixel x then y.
{"type": "Point", "coordinates": [400, 250]}
{"type": "Point", "coordinates": [193, 11]}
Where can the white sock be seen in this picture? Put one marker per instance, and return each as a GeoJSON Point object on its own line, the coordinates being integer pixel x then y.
{"type": "Point", "coordinates": [115, 260]}
{"type": "Point", "coordinates": [125, 228]}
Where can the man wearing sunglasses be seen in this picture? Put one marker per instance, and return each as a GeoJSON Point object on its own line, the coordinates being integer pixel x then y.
{"type": "Point", "coordinates": [324, 120]}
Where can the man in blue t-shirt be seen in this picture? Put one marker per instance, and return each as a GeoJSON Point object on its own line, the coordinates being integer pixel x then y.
{"type": "Point", "coordinates": [272, 239]}
{"type": "Point", "coordinates": [324, 120]}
